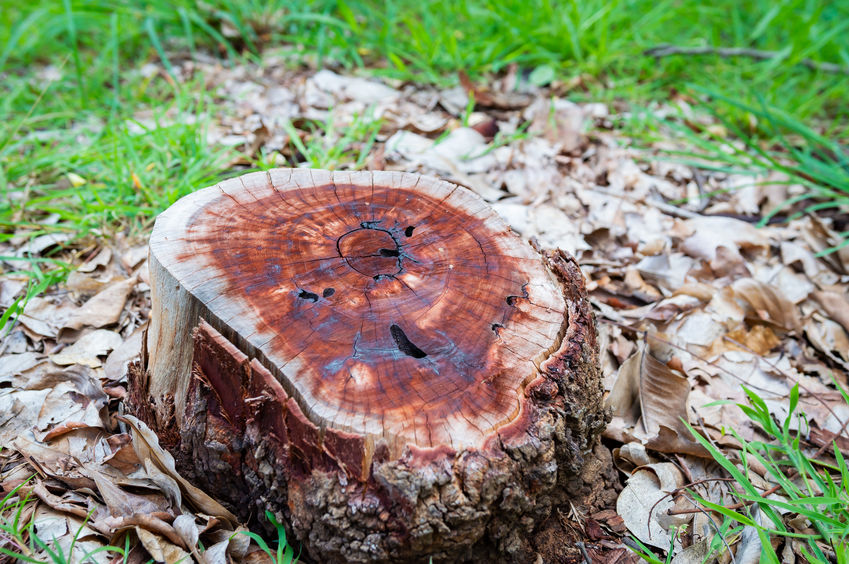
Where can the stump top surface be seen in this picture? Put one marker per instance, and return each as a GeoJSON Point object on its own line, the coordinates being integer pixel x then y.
{"type": "Point", "coordinates": [388, 304]}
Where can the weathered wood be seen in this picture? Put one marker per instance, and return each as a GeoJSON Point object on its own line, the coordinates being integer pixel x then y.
{"type": "Point", "coordinates": [375, 357]}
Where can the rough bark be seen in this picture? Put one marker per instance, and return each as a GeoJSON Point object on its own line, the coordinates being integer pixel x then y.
{"type": "Point", "coordinates": [400, 429]}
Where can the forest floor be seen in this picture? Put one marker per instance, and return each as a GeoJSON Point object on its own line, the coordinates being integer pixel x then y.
{"type": "Point", "coordinates": [698, 309]}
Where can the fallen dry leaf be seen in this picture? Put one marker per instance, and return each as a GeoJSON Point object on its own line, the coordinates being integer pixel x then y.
{"type": "Point", "coordinates": [793, 254]}
{"type": "Point", "coordinates": [70, 536]}
{"type": "Point", "coordinates": [88, 349]}
{"type": "Point", "coordinates": [632, 455]}
{"type": "Point", "coordinates": [824, 438]}
{"type": "Point", "coordinates": [132, 257]}
{"type": "Point", "coordinates": [10, 289]}
{"type": "Point", "coordinates": [759, 338]}
{"type": "Point", "coordinates": [765, 303]}
{"type": "Point", "coordinates": [104, 308]}
{"type": "Point", "coordinates": [669, 271]}
{"type": "Point", "coordinates": [649, 404]}
{"type": "Point", "coordinates": [16, 364]}
{"type": "Point", "coordinates": [216, 554]}
{"type": "Point", "coordinates": [74, 402]}
{"type": "Point", "coordinates": [624, 397]}
{"type": "Point", "coordinates": [711, 233]}
{"type": "Point", "coordinates": [50, 525]}
{"type": "Point", "coordinates": [794, 286]}
{"type": "Point", "coordinates": [464, 149]}
{"type": "Point", "coordinates": [488, 97]}
{"type": "Point", "coordinates": [146, 444]}
{"type": "Point", "coordinates": [41, 243]}
{"type": "Point", "coordinates": [116, 363]}
{"type": "Point", "coordinates": [750, 548]}
{"type": "Point", "coordinates": [123, 457]}
{"type": "Point", "coordinates": [187, 529]}
{"type": "Point", "coordinates": [47, 397]}
{"type": "Point", "coordinates": [663, 395]}
{"type": "Point", "coordinates": [14, 343]}
{"type": "Point", "coordinates": [698, 328]}
{"type": "Point", "coordinates": [829, 337]}
{"type": "Point", "coordinates": [122, 503]}
{"type": "Point", "coordinates": [820, 238]}
{"type": "Point", "coordinates": [78, 507]}
{"type": "Point", "coordinates": [353, 88]}
{"type": "Point", "coordinates": [100, 259]}
{"type": "Point", "coordinates": [43, 317]}
{"type": "Point", "coordinates": [84, 284]}
{"type": "Point", "coordinates": [160, 549]}
{"type": "Point", "coordinates": [835, 305]}
{"type": "Point", "coordinates": [645, 492]}
{"type": "Point", "coordinates": [560, 121]}
{"type": "Point", "coordinates": [697, 553]}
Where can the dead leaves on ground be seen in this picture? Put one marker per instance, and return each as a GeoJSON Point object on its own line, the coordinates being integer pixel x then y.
{"type": "Point", "coordinates": [87, 472]}
{"type": "Point", "coordinates": [42, 317]}
{"type": "Point", "coordinates": [693, 300]}
{"type": "Point", "coordinates": [764, 303]}
{"type": "Point", "coordinates": [102, 480]}
{"type": "Point", "coordinates": [731, 312]}
{"type": "Point", "coordinates": [649, 404]}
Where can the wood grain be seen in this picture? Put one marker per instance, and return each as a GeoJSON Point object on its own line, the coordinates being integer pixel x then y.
{"type": "Point", "coordinates": [387, 304]}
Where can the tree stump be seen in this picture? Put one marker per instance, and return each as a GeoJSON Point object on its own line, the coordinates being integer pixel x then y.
{"type": "Point", "coordinates": [375, 357]}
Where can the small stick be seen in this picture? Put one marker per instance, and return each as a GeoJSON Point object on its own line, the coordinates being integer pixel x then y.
{"type": "Point", "coordinates": [584, 553]}
{"type": "Point", "coordinates": [662, 206]}
{"type": "Point", "coordinates": [739, 505]}
{"type": "Point", "coordinates": [725, 52]}
{"type": "Point", "coordinates": [676, 492]}
{"type": "Point", "coordinates": [715, 526]}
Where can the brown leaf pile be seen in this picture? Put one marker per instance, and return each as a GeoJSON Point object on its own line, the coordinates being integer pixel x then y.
{"type": "Point", "coordinates": [692, 301]}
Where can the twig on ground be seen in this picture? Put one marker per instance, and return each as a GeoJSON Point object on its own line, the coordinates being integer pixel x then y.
{"type": "Point", "coordinates": [684, 213]}
{"type": "Point", "coordinates": [662, 206]}
{"type": "Point", "coordinates": [740, 505]}
{"type": "Point", "coordinates": [677, 491]}
{"type": "Point", "coordinates": [584, 553]}
{"type": "Point", "coordinates": [716, 528]}
{"type": "Point", "coordinates": [725, 52]}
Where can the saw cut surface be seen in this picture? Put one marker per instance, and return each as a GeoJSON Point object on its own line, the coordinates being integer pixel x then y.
{"type": "Point", "coordinates": [387, 304]}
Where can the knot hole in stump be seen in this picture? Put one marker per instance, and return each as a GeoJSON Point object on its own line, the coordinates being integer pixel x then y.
{"type": "Point", "coordinates": [404, 344]}
{"type": "Point", "coordinates": [371, 252]}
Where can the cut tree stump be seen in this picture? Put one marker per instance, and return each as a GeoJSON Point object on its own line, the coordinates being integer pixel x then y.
{"type": "Point", "coordinates": [375, 357]}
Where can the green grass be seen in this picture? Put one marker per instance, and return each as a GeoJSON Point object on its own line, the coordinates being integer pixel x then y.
{"type": "Point", "coordinates": [41, 274]}
{"type": "Point", "coordinates": [331, 147]}
{"type": "Point", "coordinates": [71, 83]}
{"type": "Point", "coordinates": [431, 40]}
{"type": "Point", "coordinates": [284, 553]}
{"type": "Point", "coordinates": [109, 169]}
{"type": "Point", "coordinates": [808, 487]}
{"type": "Point", "coordinates": [96, 170]}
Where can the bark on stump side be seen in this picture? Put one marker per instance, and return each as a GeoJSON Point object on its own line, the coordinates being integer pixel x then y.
{"type": "Point", "coordinates": [375, 357]}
